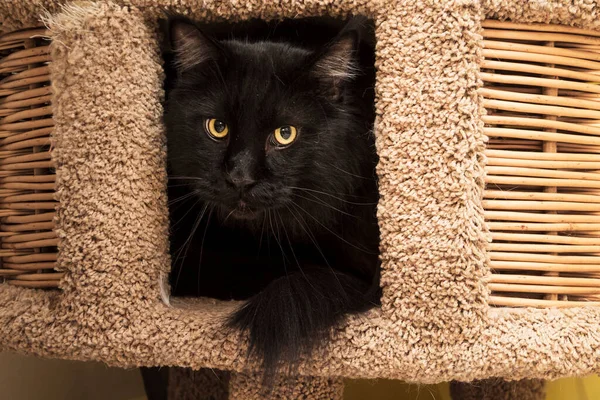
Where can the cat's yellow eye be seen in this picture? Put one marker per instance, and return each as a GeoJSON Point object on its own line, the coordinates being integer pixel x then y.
{"type": "Point", "coordinates": [216, 128]}
{"type": "Point", "coordinates": [285, 135]}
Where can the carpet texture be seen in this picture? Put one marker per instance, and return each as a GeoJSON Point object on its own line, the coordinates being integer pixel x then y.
{"type": "Point", "coordinates": [109, 146]}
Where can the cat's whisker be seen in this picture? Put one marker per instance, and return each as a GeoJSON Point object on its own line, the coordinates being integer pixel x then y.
{"type": "Point", "coordinates": [185, 177]}
{"type": "Point", "coordinates": [262, 230]}
{"type": "Point", "coordinates": [178, 185]}
{"type": "Point", "coordinates": [183, 197]}
{"type": "Point", "coordinates": [184, 215]}
{"type": "Point", "coordinates": [189, 238]}
{"type": "Point", "coordinates": [335, 234]}
{"type": "Point", "coordinates": [349, 173]}
{"type": "Point", "coordinates": [289, 241]}
{"type": "Point", "coordinates": [276, 236]}
{"type": "Point", "coordinates": [306, 229]}
{"type": "Point", "coordinates": [333, 196]}
{"type": "Point", "coordinates": [202, 245]}
{"type": "Point", "coordinates": [308, 232]}
{"type": "Point", "coordinates": [294, 254]}
{"type": "Point", "coordinates": [187, 244]}
{"type": "Point", "coordinates": [228, 215]}
{"type": "Point", "coordinates": [319, 201]}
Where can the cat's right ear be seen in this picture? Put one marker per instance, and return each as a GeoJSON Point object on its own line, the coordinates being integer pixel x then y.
{"type": "Point", "coordinates": [189, 45]}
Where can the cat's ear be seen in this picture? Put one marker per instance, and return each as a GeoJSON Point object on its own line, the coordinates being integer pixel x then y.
{"type": "Point", "coordinates": [190, 46]}
{"type": "Point", "coordinates": [337, 63]}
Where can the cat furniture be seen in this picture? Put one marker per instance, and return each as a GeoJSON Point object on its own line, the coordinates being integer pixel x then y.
{"type": "Point", "coordinates": [478, 281]}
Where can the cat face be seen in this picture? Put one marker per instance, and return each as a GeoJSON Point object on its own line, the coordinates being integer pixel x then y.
{"type": "Point", "coordinates": [257, 126]}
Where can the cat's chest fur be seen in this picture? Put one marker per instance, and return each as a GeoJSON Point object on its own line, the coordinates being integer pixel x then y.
{"type": "Point", "coordinates": [237, 260]}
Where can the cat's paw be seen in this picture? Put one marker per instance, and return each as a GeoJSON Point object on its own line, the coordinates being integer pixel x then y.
{"type": "Point", "coordinates": [295, 314]}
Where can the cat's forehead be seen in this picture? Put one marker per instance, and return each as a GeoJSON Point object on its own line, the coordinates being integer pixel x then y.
{"type": "Point", "coordinates": [267, 56]}
{"type": "Point", "coordinates": [260, 76]}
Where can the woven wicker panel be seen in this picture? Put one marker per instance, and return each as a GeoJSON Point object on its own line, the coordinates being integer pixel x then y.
{"type": "Point", "coordinates": [542, 201]}
{"type": "Point", "coordinates": [27, 177]}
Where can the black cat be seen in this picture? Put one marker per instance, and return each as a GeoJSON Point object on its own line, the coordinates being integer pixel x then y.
{"type": "Point", "coordinates": [272, 182]}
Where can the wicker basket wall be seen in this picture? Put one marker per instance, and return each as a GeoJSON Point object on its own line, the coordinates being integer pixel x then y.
{"type": "Point", "coordinates": [28, 253]}
{"type": "Point", "coordinates": [542, 201]}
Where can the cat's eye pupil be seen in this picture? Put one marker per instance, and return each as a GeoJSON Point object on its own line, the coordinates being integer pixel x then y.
{"type": "Point", "coordinates": [219, 126]}
{"type": "Point", "coordinates": [286, 132]}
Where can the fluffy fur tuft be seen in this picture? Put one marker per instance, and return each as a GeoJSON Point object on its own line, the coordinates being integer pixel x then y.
{"type": "Point", "coordinates": [294, 314]}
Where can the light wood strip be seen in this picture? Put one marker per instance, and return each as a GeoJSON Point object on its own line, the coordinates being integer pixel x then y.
{"type": "Point", "coordinates": [545, 57]}
{"type": "Point", "coordinates": [543, 82]}
{"type": "Point", "coordinates": [563, 102]}
{"type": "Point", "coordinates": [25, 82]}
{"type": "Point", "coordinates": [43, 205]}
{"type": "Point", "coordinates": [548, 258]}
{"type": "Point", "coordinates": [28, 73]}
{"type": "Point", "coordinates": [29, 237]}
{"type": "Point", "coordinates": [525, 181]}
{"type": "Point", "coordinates": [26, 103]}
{"type": "Point", "coordinates": [44, 155]}
{"type": "Point", "coordinates": [27, 219]}
{"type": "Point", "coordinates": [32, 226]}
{"type": "Point", "coordinates": [544, 248]}
{"type": "Point", "coordinates": [28, 198]}
{"type": "Point", "coordinates": [542, 173]}
{"type": "Point", "coordinates": [41, 277]}
{"type": "Point", "coordinates": [37, 285]}
{"type": "Point", "coordinates": [545, 280]}
{"type": "Point", "coordinates": [541, 156]}
{"type": "Point", "coordinates": [539, 36]}
{"type": "Point", "coordinates": [541, 135]}
{"type": "Point", "coordinates": [515, 162]}
{"type": "Point", "coordinates": [30, 266]}
{"type": "Point", "coordinates": [524, 302]}
{"type": "Point", "coordinates": [539, 70]}
{"type": "Point", "coordinates": [531, 238]}
{"type": "Point", "coordinates": [500, 265]}
{"type": "Point", "coordinates": [28, 94]}
{"type": "Point", "coordinates": [516, 195]}
{"type": "Point", "coordinates": [26, 114]}
{"type": "Point", "coordinates": [31, 245]}
{"type": "Point", "coordinates": [514, 288]}
{"type": "Point", "coordinates": [518, 205]}
{"type": "Point", "coordinates": [495, 24]}
{"type": "Point", "coordinates": [539, 227]}
{"type": "Point", "coordinates": [538, 217]}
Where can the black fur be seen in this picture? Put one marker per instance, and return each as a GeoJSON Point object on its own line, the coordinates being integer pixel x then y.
{"type": "Point", "coordinates": [299, 240]}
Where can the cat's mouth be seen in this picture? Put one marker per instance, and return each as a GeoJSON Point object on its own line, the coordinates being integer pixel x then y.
{"type": "Point", "coordinates": [244, 211]}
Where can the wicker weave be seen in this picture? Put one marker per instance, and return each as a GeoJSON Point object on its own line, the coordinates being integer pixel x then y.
{"type": "Point", "coordinates": [542, 201]}
{"type": "Point", "coordinates": [27, 205]}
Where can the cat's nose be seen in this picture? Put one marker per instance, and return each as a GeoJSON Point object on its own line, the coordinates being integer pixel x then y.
{"type": "Point", "coordinates": [239, 169]}
{"type": "Point", "coordinates": [240, 181]}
